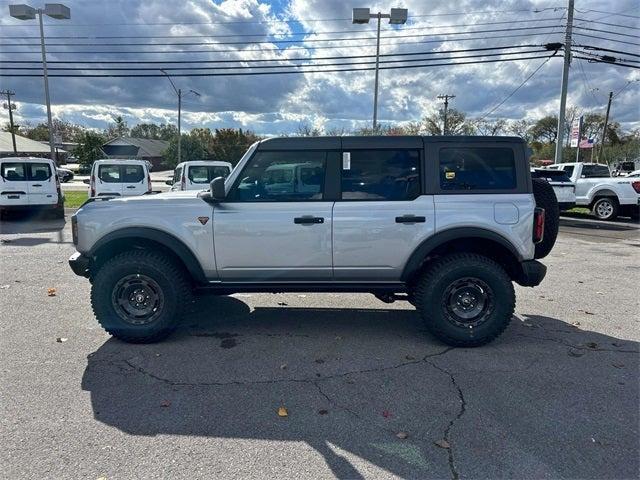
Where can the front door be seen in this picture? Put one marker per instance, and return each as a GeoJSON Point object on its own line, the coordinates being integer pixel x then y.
{"type": "Point", "coordinates": [383, 214]}
{"type": "Point", "coordinates": [275, 224]}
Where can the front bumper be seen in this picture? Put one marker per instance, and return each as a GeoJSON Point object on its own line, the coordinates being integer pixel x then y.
{"type": "Point", "coordinates": [79, 264]}
{"type": "Point", "coordinates": [532, 273]}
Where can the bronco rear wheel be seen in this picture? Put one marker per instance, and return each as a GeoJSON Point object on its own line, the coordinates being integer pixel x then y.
{"type": "Point", "coordinates": [465, 299]}
{"type": "Point", "coordinates": [139, 296]}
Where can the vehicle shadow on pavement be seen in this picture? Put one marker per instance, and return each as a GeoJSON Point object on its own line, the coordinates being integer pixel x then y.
{"type": "Point", "coordinates": [545, 400]}
{"type": "Point", "coordinates": [28, 222]}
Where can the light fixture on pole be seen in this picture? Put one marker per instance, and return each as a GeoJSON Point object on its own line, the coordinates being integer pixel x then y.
{"type": "Point", "coordinates": [397, 16]}
{"type": "Point", "coordinates": [53, 10]}
{"type": "Point", "coordinates": [179, 94]}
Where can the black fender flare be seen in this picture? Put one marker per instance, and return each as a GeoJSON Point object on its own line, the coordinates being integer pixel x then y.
{"type": "Point", "coordinates": [425, 248]}
{"type": "Point", "coordinates": [178, 247]}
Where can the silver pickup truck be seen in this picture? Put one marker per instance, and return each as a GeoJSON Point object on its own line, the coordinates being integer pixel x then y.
{"type": "Point", "coordinates": [446, 223]}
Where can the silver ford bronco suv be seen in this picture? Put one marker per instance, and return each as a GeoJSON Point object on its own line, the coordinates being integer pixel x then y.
{"type": "Point", "coordinates": [445, 223]}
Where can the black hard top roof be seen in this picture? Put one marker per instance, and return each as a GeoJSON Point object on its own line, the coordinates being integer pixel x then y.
{"type": "Point", "coordinates": [379, 141]}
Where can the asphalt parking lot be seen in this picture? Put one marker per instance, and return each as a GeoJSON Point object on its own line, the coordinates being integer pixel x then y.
{"type": "Point", "coordinates": [557, 396]}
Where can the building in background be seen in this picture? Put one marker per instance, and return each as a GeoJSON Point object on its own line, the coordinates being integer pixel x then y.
{"type": "Point", "coordinates": [136, 148]}
{"type": "Point", "coordinates": [27, 148]}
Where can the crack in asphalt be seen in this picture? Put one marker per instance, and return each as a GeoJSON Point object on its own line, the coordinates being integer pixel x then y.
{"type": "Point", "coordinates": [447, 431]}
{"type": "Point", "coordinates": [577, 347]}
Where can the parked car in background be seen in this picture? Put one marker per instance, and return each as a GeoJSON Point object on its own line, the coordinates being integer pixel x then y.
{"type": "Point", "coordinates": [119, 178]}
{"type": "Point", "coordinates": [196, 175]}
{"type": "Point", "coordinates": [606, 196]}
{"type": "Point", "coordinates": [634, 174]}
{"type": "Point", "coordinates": [64, 174]}
{"type": "Point", "coordinates": [563, 187]}
{"type": "Point", "coordinates": [30, 184]}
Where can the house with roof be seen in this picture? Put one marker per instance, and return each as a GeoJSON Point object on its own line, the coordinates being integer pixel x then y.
{"type": "Point", "coordinates": [26, 147]}
{"type": "Point", "coordinates": [136, 148]}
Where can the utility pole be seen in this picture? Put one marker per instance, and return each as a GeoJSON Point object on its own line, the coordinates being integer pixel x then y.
{"type": "Point", "coordinates": [604, 128]}
{"type": "Point", "coordinates": [179, 94]}
{"type": "Point", "coordinates": [565, 81]}
{"type": "Point", "coordinates": [10, 106]}
{"type": "Point", "coordinates": [445, 130]}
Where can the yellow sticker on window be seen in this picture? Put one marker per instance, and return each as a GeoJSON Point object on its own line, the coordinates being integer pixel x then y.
{"type": "Point", "coordinates": [450, 175]}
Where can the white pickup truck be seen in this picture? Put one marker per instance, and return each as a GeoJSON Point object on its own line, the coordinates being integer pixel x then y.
{"type": "Point", "coordinates": [606, 196]}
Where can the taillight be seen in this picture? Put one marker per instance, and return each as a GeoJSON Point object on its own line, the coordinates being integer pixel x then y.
{"type": "Point", "coordinates": [636, 186]}
{"type": "Point", "coordinates": [538, 225]}
{"type": "Point", "coordinates": [93, 186]}
{"type": "Point", "coordinates": [148, 183]}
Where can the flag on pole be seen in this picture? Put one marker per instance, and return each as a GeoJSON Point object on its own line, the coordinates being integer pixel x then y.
{"type": "Point", "coordinates": [586, 143]}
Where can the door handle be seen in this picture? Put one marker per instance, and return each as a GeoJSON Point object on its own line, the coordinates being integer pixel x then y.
{"type": "Point", "coordinates": [410, 219]}
{"type": "Point", "coordinates": [308, 220]}
{"type": "Point", "coordinates": [131, 186]}
{"type": "Point", "coordinates": [36, 185]}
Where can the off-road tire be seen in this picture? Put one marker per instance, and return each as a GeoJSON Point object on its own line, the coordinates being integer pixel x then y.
{"type": "Point", "coordinates": [431, 298]}
{"type": "Point", "coordinates": [169, 277]}
{"type": "Point", "coordinates": [612, 208]}
{"type": "Point", "coordinates": [546, 198]}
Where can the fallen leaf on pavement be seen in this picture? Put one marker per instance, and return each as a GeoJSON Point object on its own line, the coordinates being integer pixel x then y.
{"type": "Point", "coordinates": [577, 324]}
{"type": "Point", "coordinates": [618, 365]}
{"type": "Point", "coordinates": [402, 435]}
{"type": "Point", "coordinates": [319, 360]}
{"type": "Point", "coordinates": [387, 414]}
{"type": "Point", "coordinates": [283, 366]}
{"type": "Point", "coordinates": [283, 412]}
{"type": "Point", "coordinates": [3, 287]}
{"type": "Point", "coordinates": [283, 304]}
{"type": "Point", "coordinates": [591, 345]}
{"type": "Point", "coordinates": [575, 353]}
{"type": "Point", "coordinates": [323, 411]}
{"type": "Point", "coordinates": [51, 292]}
{"type": "Point", "coordinates": [409, 357]}
{"type": "Point", "coordinates": [61, 339]}
{"type": "Point", "coordinates": [165, 403]}
{"type": "Point", "coordinates": [442, 444]}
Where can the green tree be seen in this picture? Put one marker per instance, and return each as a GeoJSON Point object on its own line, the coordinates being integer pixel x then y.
{"type": "Point", "coordinates": [154, 131]}
{"type": "Point", "coordinates": [118, 128]}
{"type": "Point", "coordinates": [15, 129]}
{"type": "Point", "coordinates": [39, 133]}
{"type": "Point", "coordinates": [545, 130]}
{"type": "Point", "coordinates": [490, 127]}
{"type": "Point", "coordinates": [229, 144]}
{"type": "Point", "coordinates": [191, 148]}
{"type": "Point", "coordinates": [89, 147]}
{"type": "Point", "coordinates": [520, 128]}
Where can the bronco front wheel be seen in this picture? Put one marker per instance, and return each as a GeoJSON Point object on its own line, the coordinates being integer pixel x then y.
{"type": "Point", "coordinates": [465, 299]}
{"type": "Point", "coordinates": [139, 296]}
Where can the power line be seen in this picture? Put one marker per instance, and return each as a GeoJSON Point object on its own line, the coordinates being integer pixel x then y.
{"type": "Point", "coordinates": [252, 67]}
{"type": "Point", "coordinates": [606, 58]}
{"type": "Point", "coordinates": [600, 49]}
{"type": "Point", "coordinates": [593, 60]}
{"type": "Point", "coordinates": [201, 35]}
{"type": "Point", "coordinates": [256, 42]}
{"type": "Point", "coordinates": [517, 88]}
{"type": "Point", "coordinates": [629, 82]}
{"type": "Point", "coordinates": [606, 31]}
{"type": "Point", "coordinates": [608, 24]}
{"type": "Point", "coordinates": [608, 39]}
{"type": "Point", "coordinates": [283, 72]}
{"type": "Point", "coordinates": [164, 52]}
{"type": "Point", "coordinates": [620, 14]}
{"type": "Point", "coordinates": [275, 59]}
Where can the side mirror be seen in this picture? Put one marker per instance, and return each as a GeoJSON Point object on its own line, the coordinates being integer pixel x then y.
{"type": "Point", "coordinates": [86, 181]}
{"type": "Point", "coordinates": [169, 182]}
{"type": "Point", "coordinates": [216, 187]}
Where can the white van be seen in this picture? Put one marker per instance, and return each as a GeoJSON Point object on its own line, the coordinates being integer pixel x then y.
{"type": "Point", "coordinates": [28, 183]}
{"type": "Point", "coordinates": [120, 178]}
{"type": "Point", "coordinates": [196, 175]}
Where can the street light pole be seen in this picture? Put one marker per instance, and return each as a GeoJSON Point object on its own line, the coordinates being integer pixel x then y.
{"type": "Point", "coordinates": [53, 10]}
{"type": "Point", "coordinates": [179, 94]}
{"type": "Point", "coordinates": [397, 16]}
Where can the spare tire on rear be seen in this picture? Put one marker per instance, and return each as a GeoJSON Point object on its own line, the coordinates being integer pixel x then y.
{"type": "Point", "coordinates": [546, 198]}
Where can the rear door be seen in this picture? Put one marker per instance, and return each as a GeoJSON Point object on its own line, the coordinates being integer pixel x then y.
{"type": "Point", "coordinates": [108, 179]}
{"type": "Point", "coordinates": [14, 186]}
{"type": "Point", "coordinates": [383, 213]}
{"type": "Point", "coordinates": [41, 183]}
{"type": "Point", "coordinates": [197, 177]}
{"type": "Point", "coordinates": [134, 180]}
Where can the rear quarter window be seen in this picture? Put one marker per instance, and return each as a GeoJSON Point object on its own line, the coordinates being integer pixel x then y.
{"type": "Point", "coordinates": [109, 173]}
{"type": "Point", "coordinates": [38, 171]}
{"type": "Point", "coordinates": [477, 168]}
{"type": "Point", "coordinates": [13, 172]}
{"type": "Point", "coordinates": [132, 173]}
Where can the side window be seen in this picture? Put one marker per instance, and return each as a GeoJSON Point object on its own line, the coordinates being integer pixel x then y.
{"type": "Point", "coordinates": [13, 172]}
{"type": "Point", "coordinates": [132, 173]}
{"type": "Point", "coordinates": [109, 173]}
{"type": "Point", "coordinates": [568, 170]}
{"type": "Point", "coordinates": [382, 175]}
{"type": "Point", "coordinates": [595, 171]}
{"type": "Point", "coordinates": [477, 168]}
{"type": "Point", "coordinates": [218, 171]}
{"type": "Point", "coordinates": [38, 171]}
{"type": "Point", "coordinates": [199, 174]}
{"type": "Point", "coordinates": [177, 174]}
{"type": "Point", "coordinates": [286, 176]}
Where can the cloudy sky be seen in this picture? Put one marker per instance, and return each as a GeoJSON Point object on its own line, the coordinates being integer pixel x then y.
{"type": "Point", "coordinates": [194, 31]}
